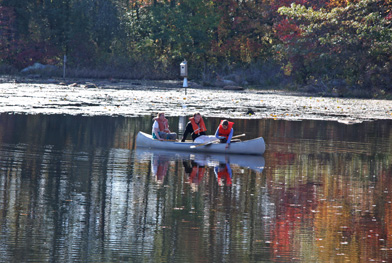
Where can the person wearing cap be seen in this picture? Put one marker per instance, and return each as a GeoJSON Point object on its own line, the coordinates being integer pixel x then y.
{"type": "Point", "coordinates": [225, 132]}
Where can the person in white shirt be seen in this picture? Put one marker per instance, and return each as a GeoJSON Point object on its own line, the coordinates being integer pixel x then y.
{"type": "Point", "coordinates": [160, 128]}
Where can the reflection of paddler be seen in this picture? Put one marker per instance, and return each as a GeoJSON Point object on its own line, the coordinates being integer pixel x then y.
{"type": "Point", "coordinates": [159, 167]}
{"type": "Point", "coordinates": [195, 172]}
{"type": "Point", "coordinates": [223, 171]}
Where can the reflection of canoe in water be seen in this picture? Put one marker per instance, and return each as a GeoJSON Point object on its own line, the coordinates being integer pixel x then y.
{"type": "Point", "coordinates": [254, 162]}
{"type": "Point", "coordinates": [249, 147]}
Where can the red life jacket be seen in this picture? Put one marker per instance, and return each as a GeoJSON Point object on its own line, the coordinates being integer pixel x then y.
{"type": "Point", "coordinates": [197, 174]}
{"type": "Point", "coordinates": [163, 125]}
{"type": "Point", "coordinates": [223, 132]}
{"type": "Point", "coordinates": [201, 125]}
{"type": "Point", "coordinates": [224, 173]}
{"type": "Point", "coordinates": [161, 171]}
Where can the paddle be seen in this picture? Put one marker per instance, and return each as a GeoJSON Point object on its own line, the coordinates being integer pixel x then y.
{"type": "Point", "coordinates": [217, 140]}
{"type": "Point", "coordinates": [195, 131]}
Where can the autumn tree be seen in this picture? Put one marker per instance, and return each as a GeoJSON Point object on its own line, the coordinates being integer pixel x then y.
{"type": "Point", "coordinates": [352, 43]}
{"type": "Point", "coordinates": [168, 32]}
{"type": "Point", "coordinates": [7, 33]}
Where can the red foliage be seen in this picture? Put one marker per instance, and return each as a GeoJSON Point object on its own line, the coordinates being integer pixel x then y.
{"type": "Point", "coordinates": [22, 54]}
{"type": "Point", "coordinates": [29, 53]}
{"type": "Point", "coordinates": [241, 30]}
{"type": "Point", "coordinates": [295, 207]}
{"type": "Point", "coordinates": [18, 52]}
{"type": "Point", "coordinates": [286, 30]}
{"type": "Point", "coordinates": [389, 16]}
{"type": "Point", "coordinates": [7, 30]}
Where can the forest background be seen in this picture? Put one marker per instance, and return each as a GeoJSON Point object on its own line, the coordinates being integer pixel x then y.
{"type": "Point", "coordinates": [318, 45]}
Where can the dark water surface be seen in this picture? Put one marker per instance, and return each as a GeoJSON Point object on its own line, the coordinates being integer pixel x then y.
{"type": "Point", "coordinates": [74, 189]}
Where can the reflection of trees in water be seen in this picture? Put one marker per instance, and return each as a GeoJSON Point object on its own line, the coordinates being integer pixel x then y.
{"type": "Point", "coordinates": [200, 220]}
{"type": "Point", "coordinates": [335, 200]}
{"type": "Point", "coordinates": [72, 182]}
{"type": "Point", "coordinates": [72, 131]}
{"type": "Point", "coordinates": [102, 200]}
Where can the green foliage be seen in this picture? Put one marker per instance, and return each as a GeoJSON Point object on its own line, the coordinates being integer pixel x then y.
{"type": "Point", "coordinates": [352, 43]}
{"type": "Point", "coordinates": [84, 30]}
{"type": "Point", "coordinates": [168, 33]}
{"type": "Point", "coordinates": [210, 33]}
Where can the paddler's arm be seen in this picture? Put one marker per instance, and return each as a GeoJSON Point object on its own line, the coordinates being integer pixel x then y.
{"type": "Point", "coordinates": [167, 130]}
{"type": "Point", "coordinates": [157, 134]}
{"type": "Point", "coordinates": [229, 170]}
{"type": "Point", "coordinates": [217, 134]}
{"type": "Point", "coordinates": [155, 130]}
{"type": "Point", "coordinates": [188, 130]}
{"type": "Point", "coordinates": [229, 138]}
{"type": "Point", "coordinates": [216, 170]}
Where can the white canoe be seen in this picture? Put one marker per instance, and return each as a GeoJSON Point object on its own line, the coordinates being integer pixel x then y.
{"type": "Point", "coordinates": [252, 147]}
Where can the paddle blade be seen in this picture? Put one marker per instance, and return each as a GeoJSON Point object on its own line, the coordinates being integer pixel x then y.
{"type": "Point", "coordinates": [214, 141]}
{"type": "Point", "coordinates": [204, 144]}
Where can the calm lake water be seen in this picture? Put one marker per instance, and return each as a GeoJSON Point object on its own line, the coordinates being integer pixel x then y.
{"type": "Point", "coordinates": [75, 189]}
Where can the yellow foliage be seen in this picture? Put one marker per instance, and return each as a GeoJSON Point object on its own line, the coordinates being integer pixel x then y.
{"type": "Point", "coordinates": [288, 69]}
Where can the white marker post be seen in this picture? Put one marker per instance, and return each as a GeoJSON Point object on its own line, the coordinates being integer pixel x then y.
{"type": "Point", "coordinates": [185, 84]}
{"type": "Point", "coordinates": [184, 73]}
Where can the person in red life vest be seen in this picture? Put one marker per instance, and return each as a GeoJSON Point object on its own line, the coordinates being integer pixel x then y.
{"type": "Point", "coordinates": [223, 172]}
{"type": "Point", "coordinates": [160, 128]}
{"type": "Point", "coordinates": [195, 127]}
{"type": "Point", "coordinates": [225, 132]}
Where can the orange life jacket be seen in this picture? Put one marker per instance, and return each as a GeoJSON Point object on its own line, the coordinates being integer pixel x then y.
{"type": "Point", "coordinates": [163, 125]}
{"type": "Point", "coordinates": [196, 126]}
{"type": "Point", "coordinates": [223, 132]}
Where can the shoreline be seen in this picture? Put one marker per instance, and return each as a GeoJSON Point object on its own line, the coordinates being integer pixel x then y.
{"type": "Point", "coordinates": [141, 98]}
